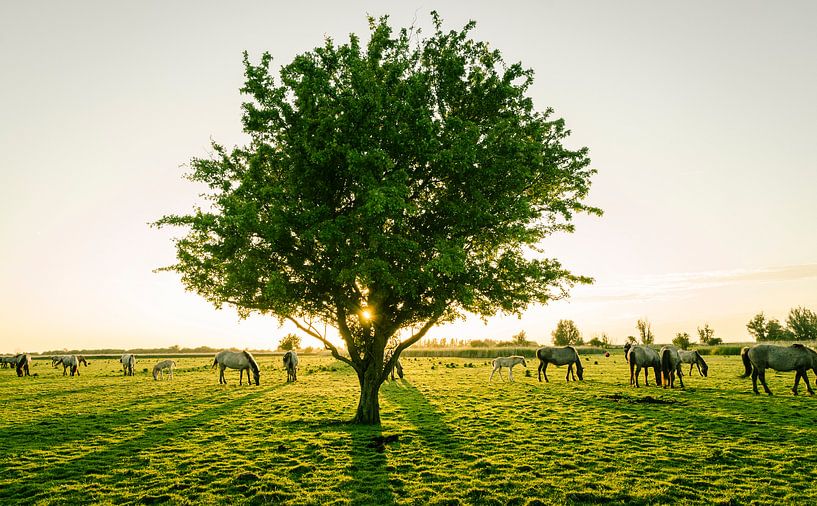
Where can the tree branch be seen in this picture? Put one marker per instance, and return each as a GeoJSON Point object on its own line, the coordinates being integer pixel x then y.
{"type": "Point", "coordinates": [408, 342]}
{"type": "Point", "coordinates": [329, 346]}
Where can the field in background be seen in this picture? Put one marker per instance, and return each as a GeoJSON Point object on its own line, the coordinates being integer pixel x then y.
{"type": "Point", "coordinates": [102, 437]}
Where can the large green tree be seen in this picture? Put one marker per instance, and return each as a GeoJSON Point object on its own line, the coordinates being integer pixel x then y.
{"type": "Point", "coordinates": [386, 187]}
{"type": "Point", "coordinates": [802, 323]}
{"type": "Point", "coordinates": [566, 333]}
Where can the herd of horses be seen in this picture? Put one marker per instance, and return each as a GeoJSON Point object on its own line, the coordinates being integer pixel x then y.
{"type": "Point", "coordinates": [667, 364]}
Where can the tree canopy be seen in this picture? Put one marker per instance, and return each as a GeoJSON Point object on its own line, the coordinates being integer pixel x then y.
{"type": "Point", "coordinates": [387, 186]}
{"type": "Point", "coordinates": [567, 333]}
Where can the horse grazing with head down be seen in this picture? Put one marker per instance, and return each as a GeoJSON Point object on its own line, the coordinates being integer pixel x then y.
{"type": "Point", "coordinates": [22, 364]}
{"type": "Point", "coordinates": [670, 366]}
{"type": "Point", "coordinates": [509, 362]}
{"type": "Point", "coordinates": [566, 355]}
{"type": "Point", "coordinates": [694, 359]}
{"type": "Point", "coordinates": [69, 363]}
{"type": "Point", "coordinates": [158, 369]}
{"type": "Point", "coordinates": [128, 363]}
{"type": "Point", "coordinates": [642, 357]}
{"type": "Point", "coordinates": [241, 360]}
{"type": "Point", "coordinates": [796, 357]}
{"type": "Point", "coordinates": [291, 365]}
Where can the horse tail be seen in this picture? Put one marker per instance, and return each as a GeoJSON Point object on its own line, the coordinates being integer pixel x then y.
{"type": "Point", "coordinates": [747, 364]}
{"type": "Point", "coordinates": [666, 364]}
{"type": "Point", "coordinates": [215, 362]}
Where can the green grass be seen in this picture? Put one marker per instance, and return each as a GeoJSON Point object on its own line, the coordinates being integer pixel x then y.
{"type": "Point", "coordinates": [105, 438]}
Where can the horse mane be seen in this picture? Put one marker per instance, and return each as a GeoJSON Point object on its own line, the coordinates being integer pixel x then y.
{"type": "Point", "coordinates": [251, 360]}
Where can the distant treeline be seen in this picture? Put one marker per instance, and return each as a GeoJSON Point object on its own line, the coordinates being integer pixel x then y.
{"type": "Point", "coordinates": [172, 350]}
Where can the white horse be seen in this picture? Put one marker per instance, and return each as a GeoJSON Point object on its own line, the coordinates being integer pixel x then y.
{"type": "Point", "coordinates": [69, 363]}
{"type": "Point", "coordinates": [291, 364]}
{"type": "Point", "coordinates": [241, 360]}
{"type": "Point", "coordinates": [509, 362]}
{"type": "Point", "coordinates": [128, 363]}
{"type": "Point", "coordinates": [693, 358]}
{"type": "Point", "coordinates": [158, 369]}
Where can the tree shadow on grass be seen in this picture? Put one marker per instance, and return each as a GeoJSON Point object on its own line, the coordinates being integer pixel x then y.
{"type": "Point", "coordinates": [118, 455]}
{"type": "Point", "coordinates": [430, 424]}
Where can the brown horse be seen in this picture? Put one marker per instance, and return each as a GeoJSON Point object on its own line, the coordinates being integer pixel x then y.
{"type": "Point", "coordinates": [796, 357]}
{"type": "Point", "coordinates": [670, 366]}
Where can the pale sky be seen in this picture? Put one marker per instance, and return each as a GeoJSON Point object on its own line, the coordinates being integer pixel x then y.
{"type": "Point", "coordinates": [701, 119]}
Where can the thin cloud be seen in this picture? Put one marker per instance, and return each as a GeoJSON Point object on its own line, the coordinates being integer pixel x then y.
{"type": "Point", "coordinates": [674, 285]}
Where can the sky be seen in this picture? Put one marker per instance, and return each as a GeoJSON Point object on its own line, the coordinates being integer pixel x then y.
{"type": "Point", "coordinates": [700, 117]}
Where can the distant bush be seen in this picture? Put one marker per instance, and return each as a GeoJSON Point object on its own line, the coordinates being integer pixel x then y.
{"type": "Point", "coordinates": [721, 350]}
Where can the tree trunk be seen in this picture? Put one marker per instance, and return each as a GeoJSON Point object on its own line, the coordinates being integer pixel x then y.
{"type": "Point", "coordinates": [368, 408]}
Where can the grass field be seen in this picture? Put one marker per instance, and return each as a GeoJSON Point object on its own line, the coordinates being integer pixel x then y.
{"type": "Point", "coordinates": [105, 438]}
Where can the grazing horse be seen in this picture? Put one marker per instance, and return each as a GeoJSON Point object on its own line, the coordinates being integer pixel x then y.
{"type": "Point", "coordinates": [796, 357]}
{"type": "Point", "coordinates": [509, 362]}
{"type": "Point", "coordinates": [7, 361]}
{"type": "Point", "coordinates": [559, 356]}
{"type": "Point", "coordinates": [642, 356]}
{"type": "Point", "coordinates": [158, 369]}
{"type": "Point", "coordinates": [291, 365]}
{"type": "Point", "coordinates": [693, 358]}
{"type": "Point", "coordinates": [69, 362]}
{"type": "Point", "coordinates": [22, 363]}
{"type": "Point", "coordinates": [128, 364]}
{"type": "Point", "coordinates": [670, 365]}
{"type": "Point", "coordinates": [241, 360]}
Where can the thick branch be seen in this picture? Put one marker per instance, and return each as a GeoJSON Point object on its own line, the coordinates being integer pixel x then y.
{"type": "Point", "coordinates": [329, 346]}
{"type": "Point", "coordinates": [408, 342]}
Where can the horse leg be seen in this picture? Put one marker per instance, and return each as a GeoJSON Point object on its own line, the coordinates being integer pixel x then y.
{"type": "Point", "coordinates": [637, 374]}
{"type": "Point", "coordinates": [797, 374]}
{"type": "Point", "coordinates": [808, 385]}
{"type": "Point", "coordinates": [489, 379]}
{"type": "Point", "coordinates": [754, 380]}
{"type": "Point", "coordinates": [510, 374]}
{"type": "Point", "coordinates": [762, 375]}
{"type": "Point", "coordinates": [680, 376]}
{"type": "Point", "coordinates": [539, 371]}
{"type": "Point", "coordinates": [646, 377]}
{"type": "Point", "coordinates": [545, 372]}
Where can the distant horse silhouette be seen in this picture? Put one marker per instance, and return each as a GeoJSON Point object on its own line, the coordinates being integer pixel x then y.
{"type": "Point", "coordinates": [509, 362]}
{"type": "Point", "coordinates": [69, 363]}
{"type": "Point", "coordinates": [796, 357]}
{"type": "Point", "coordinates": [158, 369]}
{"type": "Point", "coordinates": [291, 365]}
{"type": "Point", "coordinates": [642, 356]}
{"type": "Point", "coordinates": [6, 362]}
{"type": "Point", "coordinates": [128, 363]}
{"type": "Point", "coordinates": [694, 359]}
{"type": "Point", "coordinates": [241, 360]}
{"type": "Point", "coordinates": [670, 366]}
{"type": "Point", "coordinates": [22, 364]}
{"type": "Point", "coordinates": [566, 355]}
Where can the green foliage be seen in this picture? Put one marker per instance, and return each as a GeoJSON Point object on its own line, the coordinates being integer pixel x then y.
{"type": "Point", "coordinates": [566, 333]}
{"type": "Point", "coordinates": [631, 340]}
{"type": "Point", "coordinates": [681, 340]}
{"type": "Point", "coordinates": [602, 341]}
{"type": "Point", "coordinates": [802, 323]}
{"type": "Point", "coordinates": [645, 331]}
{"type": "Point", "coordinates": [290, 342]}
{"type": "Point", "coordinates": [706, 336]}
{"type": "Point", "coordinates": [757, 327]}
{"type": "Point", "coordinates": [390, 185]}
{"type": "Point", "coordinates": [775, 331]}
